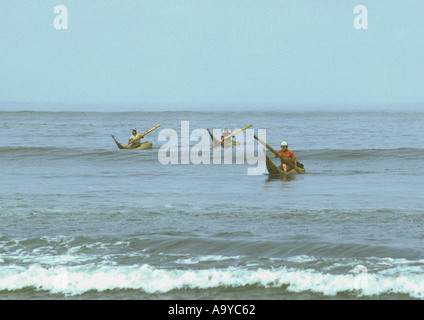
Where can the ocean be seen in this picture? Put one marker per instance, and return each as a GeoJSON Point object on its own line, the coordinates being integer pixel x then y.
{"type": "Point", "coordinates": [80, 219]}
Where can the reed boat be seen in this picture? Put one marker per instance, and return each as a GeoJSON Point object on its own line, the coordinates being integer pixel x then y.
{"type": "Point", "coordinates": [143, 146]}
{"type": "Point", "coordinates": [217, 143]}
{"type": "Point", "coordinates": [275, 170]}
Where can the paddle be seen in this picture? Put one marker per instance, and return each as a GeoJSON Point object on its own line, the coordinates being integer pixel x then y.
{"type": "Point", "coordinates": [217, 141]}
{"type": "Point", "coordinates": [287, 162]}
{"type": "Point", "coordinates": [141, 136]}
{"type": "Point", "coordinates": [234, 133]}
{"type": "Point", "coordinates": [145, 133]}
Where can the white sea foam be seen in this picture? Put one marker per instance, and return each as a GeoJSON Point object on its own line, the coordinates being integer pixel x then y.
{"type": "Point", "coordinates": [77, 280]}
{"type": "Point", "coordinates": [209, 258]}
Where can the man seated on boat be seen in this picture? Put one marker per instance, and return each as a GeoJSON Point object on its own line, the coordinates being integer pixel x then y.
{"type": "Point", "coordinates": [286, 155]}
{"type": "Point", "coordinates": [226, 142]}
{"type": "Point", "coordinates": [134, 137]}
{"type": "Point", "coordinates": [224, 134]}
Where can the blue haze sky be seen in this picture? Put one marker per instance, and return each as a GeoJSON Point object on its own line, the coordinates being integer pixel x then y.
{"type": "Point", "coordinates": [208, 54]}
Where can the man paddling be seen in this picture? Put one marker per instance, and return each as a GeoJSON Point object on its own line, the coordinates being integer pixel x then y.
{"type": "Point", "coordinates": [224, 134]}
{"type": "Point", "coordinates": [134, 137]}
{"type": "Point", "coordinates": [287, 155]}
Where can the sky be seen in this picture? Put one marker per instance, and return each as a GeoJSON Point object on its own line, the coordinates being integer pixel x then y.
{"type": "Point", "coordinates": [207, 54]}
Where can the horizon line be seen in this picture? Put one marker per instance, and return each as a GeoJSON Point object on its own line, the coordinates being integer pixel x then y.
{"type": "Point", "coordinates": [203, 107]}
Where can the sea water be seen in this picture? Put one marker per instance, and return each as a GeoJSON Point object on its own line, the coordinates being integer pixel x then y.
{"type": "Point", "coordinates": [80, 219]}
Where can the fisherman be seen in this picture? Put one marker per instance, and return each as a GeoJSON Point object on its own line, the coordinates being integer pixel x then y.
{"type": "Point", "coordinates": [135, 136]}
{"type": "Point", "coordinates": [286, 155]}
{"type": "Point", "coordinates": [225, 134]}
